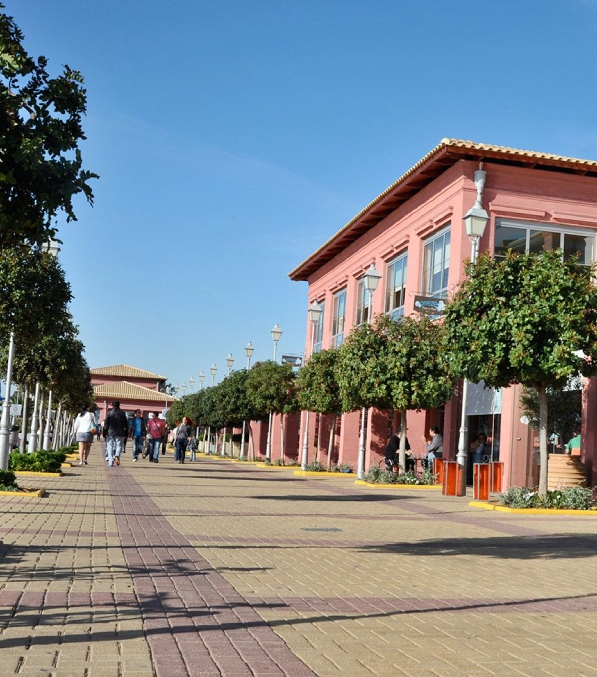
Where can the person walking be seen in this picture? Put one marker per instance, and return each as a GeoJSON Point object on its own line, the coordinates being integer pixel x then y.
{"type": "Point", "coordinates": [183, 432]}
{"type": "Point", "coordinates": [155, 428]}
{"type": "Point", "coordinates": [137, 434]}
{"type": "Point", "coordinates": [115, 431]}
{"type": "Point", "coordinates": [84, 429]}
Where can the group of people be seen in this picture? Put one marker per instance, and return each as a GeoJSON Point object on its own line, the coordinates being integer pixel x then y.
{"type": "Point", "coordinates": [434, 448]}
{"type": "Point", "coordinates": [147, 439]}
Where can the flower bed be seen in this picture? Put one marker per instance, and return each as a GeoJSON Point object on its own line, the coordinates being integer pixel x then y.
{"type": "Point", "coordinates": [561, 498]}
{"type": "Point", "coordinates": [380, 476]}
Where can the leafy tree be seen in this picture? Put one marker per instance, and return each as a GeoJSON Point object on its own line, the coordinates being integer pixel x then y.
{"type": "Point", "coordinates": [232, 399]}
{"type": "Point", "coordinates": [394, 364]}
{"type": "Point", "coordinates": [271, 387]}
{"type": "Point", "coordinates": [40, 130]}
{"type": "Point", "coordinates": [34, 295]}
{"type": "Point", "coordinates": [520, 320]}
{"type": "Point", "coordinates": [318, 390]}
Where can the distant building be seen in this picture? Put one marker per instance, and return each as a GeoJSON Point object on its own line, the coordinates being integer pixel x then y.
{"type": "Point", "coordinates": [134, 388]}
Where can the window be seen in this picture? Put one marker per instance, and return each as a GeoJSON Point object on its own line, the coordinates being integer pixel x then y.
{"type": "Point", "coordinates": [338, 318]}
{"type": "Point", "coordinates": [318, 330]}
{"type": "Point", "coordinates": [537, 237]}
{"type": "Point", "coordinates": [396, 286]}
{"type": "Point", "coordinates": [363, 304]}
{"type": "Point", "coordinates": [436, 264]}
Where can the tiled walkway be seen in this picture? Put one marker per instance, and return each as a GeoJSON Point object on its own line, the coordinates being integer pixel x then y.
{"type": "Point", "coordinates": [214, 568]}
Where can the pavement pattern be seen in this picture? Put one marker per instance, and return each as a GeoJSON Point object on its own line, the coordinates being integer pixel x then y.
{"type": "Point", "coordinates": [215, 568]}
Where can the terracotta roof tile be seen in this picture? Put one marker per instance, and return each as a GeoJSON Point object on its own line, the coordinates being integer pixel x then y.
{"type": "Point", "coordinates": [125, 390]}
{"type": "Point", "coordinates": [125, 371]}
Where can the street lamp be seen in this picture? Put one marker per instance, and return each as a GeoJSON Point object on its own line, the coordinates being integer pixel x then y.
{"type": "Point", "coordinates": [315, 311]}
{"type": "Point", "coordinates": [249, 350]}
{"type": "Point", "coordinates": [475, 221]}
{"type": "Point", "coordinates": [183, 388]}
{"type": "Point", "coordinates": [370, 281]}
{"type": "Point", "coordinates": [192, 384]}
{"type": "Point", "coordinates": [229, 362]}
{"type": "Point", "coordinates": [276, 335]}
{"type": "Point", "coordinates": [53, 248]}
{"type": "Point", "coordinates": [213, 370]}
{"type": "Point", "coordinates": [201, 379]}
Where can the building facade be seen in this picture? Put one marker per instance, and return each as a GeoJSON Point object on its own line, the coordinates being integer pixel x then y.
{"type": "Point", "coordinates": [414, 235]}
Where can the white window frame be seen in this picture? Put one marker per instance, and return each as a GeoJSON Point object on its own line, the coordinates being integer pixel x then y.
{"type": "Point", "coordinates": [338, 321]}
{"type": "Point", "coordinates": [392, 288]}
{"type": "Point", "coordinates": [444, 268]}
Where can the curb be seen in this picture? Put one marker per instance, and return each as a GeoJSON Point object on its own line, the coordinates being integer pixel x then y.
{"type": "Point", "coordinates": [532, 511]}
{"type": "Point", "coordinates": [275, 467]}
{"type": "Point", "coordinates": [416, 487]}
{"type": "Point", "coordinates": [324, 474]}
{"type": "Point", "coordinates": [38, 474]}
{"type": "Point", "coordinates": [25, 493]}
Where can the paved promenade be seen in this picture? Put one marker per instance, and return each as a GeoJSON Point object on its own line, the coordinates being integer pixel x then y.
{"type": "Point", "coordinates": [217, 568]}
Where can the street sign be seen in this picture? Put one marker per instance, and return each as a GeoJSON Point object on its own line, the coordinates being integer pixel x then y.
{"type": "Point", "coordinates": [430, 305]}
{"type": "Point", "coordinates": [16, 409]}
{"type": "Point", "coordinates": [292, 360]}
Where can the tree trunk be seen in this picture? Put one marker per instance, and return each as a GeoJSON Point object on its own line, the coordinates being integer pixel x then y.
{"type": "Point", "coordinates": [542, 439]}
{"type": "Point", "coordinates": [332, 440]}
{"type": "Point", "coordinates": [282, 437]}
{"type": "Point", "coordinates": [402, 451]}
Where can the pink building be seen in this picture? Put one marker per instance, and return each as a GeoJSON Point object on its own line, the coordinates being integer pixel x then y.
{"type": "Point", "coordinates": [134, 388]}
{"type": "Point", "coordinates": [414, 234]}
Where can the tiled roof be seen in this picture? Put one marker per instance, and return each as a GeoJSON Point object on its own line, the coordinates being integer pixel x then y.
{"type": "Point", "coordinates": [122, 390]}
{"type": "Point", "coordinates": [428, 168]}
{"type": "Point", "coordinates": [125, 371]}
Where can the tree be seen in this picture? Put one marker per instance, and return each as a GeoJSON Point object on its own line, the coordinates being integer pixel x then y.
{"type": "Point", "coordinates": [564, 408]}
{"type": "Point", "coordinates": [40, 130]}
{"type": "Point", "coordinates": [317, 388]}
{"type": "Point", "coordinates": [394, 364]}
{"type": "Point", "coordinates": [521, 320]}
{"type": "Point", "coordinates": [232, 399]}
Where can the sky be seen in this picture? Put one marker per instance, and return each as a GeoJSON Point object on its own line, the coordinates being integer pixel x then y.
{"type": "Point", "coordinates": [233, 138]}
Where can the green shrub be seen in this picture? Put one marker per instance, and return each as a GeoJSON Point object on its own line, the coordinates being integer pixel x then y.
{"type": "Point", "coordinates": [378, 475]}
{"type": "Point", "coordinates": [40, 461]}
{"type": "Point", "coordinates": [561, 498]}
{"type": "Point", "coordinates": [8, 481]}
{"type": "Point", "coordinates": [342, 467]}
{"type": "Point", "coordinates": [315, 467]}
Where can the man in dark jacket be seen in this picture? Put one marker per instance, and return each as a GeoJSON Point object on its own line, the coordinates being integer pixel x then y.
{"type": "Point", "coordinates": [137, 434]}
{"type": "Point", "coordinates": [115, 431]}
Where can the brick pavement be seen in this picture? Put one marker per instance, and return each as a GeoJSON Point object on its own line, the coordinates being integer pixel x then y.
{"type": "Point", "coordinates": [215, 568]}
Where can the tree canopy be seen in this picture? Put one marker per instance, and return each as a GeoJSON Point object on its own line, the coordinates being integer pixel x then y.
{"type": "Point", "coordinates": [40, 130]}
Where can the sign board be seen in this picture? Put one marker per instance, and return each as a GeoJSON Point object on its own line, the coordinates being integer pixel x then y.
{"type": "Point", "coordinates": [430, 305]}
{"type": "Point", "coordinates": [292, 360]}
{"type": "Point", "coordinates": [16, 409]}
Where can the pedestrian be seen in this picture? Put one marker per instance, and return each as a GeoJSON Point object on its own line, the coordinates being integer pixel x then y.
{"type": "Point", "coordinates": [137, 434]}
{"type": "Point", "coordinates": [84, 428]}
{"type": "Point", "coordinates": [13, 438]}
{"type": "Point", "coordinates": [165, 439]}
{"type": "Point", "coordinates": [155, 429]}
{"type": "Point", "coordinates": [115, 431]}
{"type": "Point", "coordinates": [183, 432]}
{"type": "Point", "coordinates": [192, 447]}
{"type": "Point", "coordinates": [573, 447]}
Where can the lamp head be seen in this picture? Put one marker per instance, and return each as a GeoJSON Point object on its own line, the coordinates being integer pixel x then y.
{"type": "Point", "coordinates": [276, 333]}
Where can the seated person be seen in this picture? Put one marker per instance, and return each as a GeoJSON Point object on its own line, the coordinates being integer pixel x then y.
{"type": "Point", "coordinates": [391, 454]}
{"type": "Point", "coordinates": [481, 450]}
{"type": "Point", "coordinates": [434, 448]}
{"type": "Point", "coordinates": [573, 447]}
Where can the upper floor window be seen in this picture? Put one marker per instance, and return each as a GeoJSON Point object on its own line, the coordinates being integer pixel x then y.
{"type": "Point", "coordinates": [436, 264]}
{"type": "Point", "coordinates": [363, 304]}
{"type": "Point", "coordinates": [318, 330]}
{"type": "Point", "coordinates": [338, 318]}
{"type": "Point", "coordinates": [535, 237]}
{"type": "Point", "coordinates": [396, 286]}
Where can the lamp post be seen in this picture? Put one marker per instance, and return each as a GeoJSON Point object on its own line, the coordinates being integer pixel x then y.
{"type": "Point", "coordinates": [52, 248]}
{"type": "Point", "coordinates": [370, 280]}
{"type": "Point", "coordinates": [183, 389]}
{"type": "Point", "coordinates": [276, 335]}
{"type": "Point", "coordinates": [475, 221]}
{"type": "Point", "coordinates": [201, 379]}
{"type": "Point", "coordinates": [249, 350]}
{"type": "Point", "coordinates": [191, 384]}
{"type": "Point", "coordinates": [213, 370]}
{"type": "Point", "coordinates": [314, 315]}
{"type": "Point", "coordinates": [229, 364]}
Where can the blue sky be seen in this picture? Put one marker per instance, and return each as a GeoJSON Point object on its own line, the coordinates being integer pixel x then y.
{"type": "Point", "coordinates": [233, 138]}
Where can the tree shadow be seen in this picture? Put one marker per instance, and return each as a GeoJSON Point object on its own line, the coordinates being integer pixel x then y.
{"type": "Point", "coordinates": [561, 546]}
{"type": "Point", "coordinates": [359, 498]}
